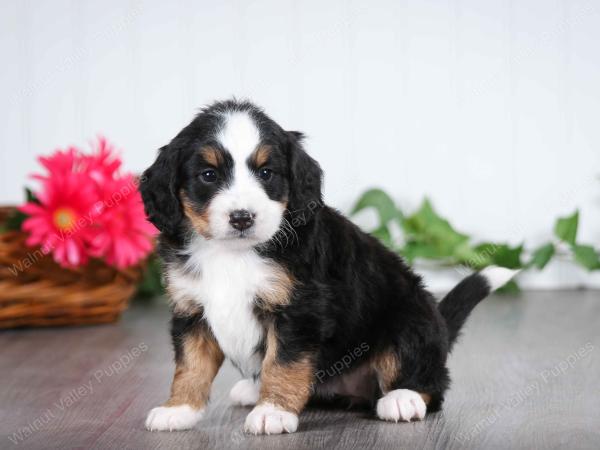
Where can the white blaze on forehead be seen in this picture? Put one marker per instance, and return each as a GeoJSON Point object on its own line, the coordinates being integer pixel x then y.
{"type": "Point", "coordinates": [239, 136]}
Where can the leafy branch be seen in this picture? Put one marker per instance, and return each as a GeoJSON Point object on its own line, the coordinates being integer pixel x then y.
{"type": "Point", "coordinates": [428, 236]}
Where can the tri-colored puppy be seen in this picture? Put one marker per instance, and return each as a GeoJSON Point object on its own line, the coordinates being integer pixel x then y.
{"type": "Point", "coordinates": [261, 272]}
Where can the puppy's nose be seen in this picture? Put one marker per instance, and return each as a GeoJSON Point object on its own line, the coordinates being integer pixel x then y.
{"type": "Point", "coordinates": [241, 219]}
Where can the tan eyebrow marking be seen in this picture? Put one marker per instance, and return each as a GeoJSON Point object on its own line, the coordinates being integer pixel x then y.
{"type": "Point", "coordinates": [211, 155]}
{"type": "Point", "coordinates": [261, 155]}
{"type": "Point", "coordinates": [199, 220]}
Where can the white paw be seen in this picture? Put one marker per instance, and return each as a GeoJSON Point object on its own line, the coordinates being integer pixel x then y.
{"type": "Point", "coordinates": [182, 417]}
{"type": "Point", "coordinates": [269, 419]}
{"type": "Point", "coordinates": [401, 404]}
{"type": "Point", "coordinates": [245, 392]}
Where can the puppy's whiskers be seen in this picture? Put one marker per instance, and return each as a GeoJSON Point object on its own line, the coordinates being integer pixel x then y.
{"type": "Point", "coordinates": [290, 234]}
{"type": "Point", "coordinates": [286, 231]}
{"type": "Point", "coordinates": [287, 225]}
{"type": "Point", "coordinates": [276, 241]}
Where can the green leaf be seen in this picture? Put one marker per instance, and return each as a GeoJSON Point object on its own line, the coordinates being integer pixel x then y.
{"type": "Point", "coordinates": [151, 284]}
{"type": "Point", "coordinates": [542, 256]}
{"type": "Point", "coordinates": [383, 234]}
{"type": "Point", "coordinates": [586, 256]}
{"type": "Point", "coordinates": [30, 196]}
{"type": "Point", "coordinates": [510, 288]}
{"type": "Point", "coordinates": [426, 227]}
{"type": "Point", "coordinates": [502, 254]}
{"type": "Point", "coordinates": [566, 228]}
{"type": "Point", "coordinates": [383, 204]}
{"type": "Point", "coordinates": [487, 248]}
{"type": "Point", "coordinates": [413, 250]}
{"type": "Point", "coordinates": [15, 220]}
{"type": "Point", "coordinates": [471, 257]}
{"type": "Point", "coordinates": [481, 256]}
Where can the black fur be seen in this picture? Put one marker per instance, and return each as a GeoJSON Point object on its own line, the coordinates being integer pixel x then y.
{"type": "Point", "coordinates": [305, 175]}
{"type": "Point", "coordinates": [183, 325]}
{"type": "Point", "coordinates": [460, 301]}
{"type": "Point", "coordinates": [159, 185]}
{"type": "Point", "coordinates": [354, 291]}
{"type": "Point", "coordinates": [350, 290]}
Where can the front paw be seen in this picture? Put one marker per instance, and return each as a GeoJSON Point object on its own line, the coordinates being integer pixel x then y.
{"type": "Point", "coordinates": [171, 418]}
{"type": "Point", "coordinates": [245, 392]}
{"type": "Point", "coordinates": [401, 404]}
{"type": "Point", "coordinates": [270, 419]}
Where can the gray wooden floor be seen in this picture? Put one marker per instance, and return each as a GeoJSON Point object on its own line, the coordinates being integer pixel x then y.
{"type": "Point", "coordinates": [526, 375]}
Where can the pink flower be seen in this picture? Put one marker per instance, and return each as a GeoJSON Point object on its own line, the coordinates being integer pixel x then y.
{"type": "Point", "coordinates": [59, 222]}
{"type": "Point", "coordinates": [124, 236]}
{"type": "Point", "coordinates": [104, 164]}
{"type": "Point", "coordinates": [87, 209]}
{"type": "Point", "coordinates": [60, 163]}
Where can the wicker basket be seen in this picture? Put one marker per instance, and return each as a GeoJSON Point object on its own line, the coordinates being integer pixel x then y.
{"type": "Point", "coordinates": [36, 291]}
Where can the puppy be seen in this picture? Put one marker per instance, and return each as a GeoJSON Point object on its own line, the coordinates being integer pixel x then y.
{"type": "Point", "coordinates": [299, 299]}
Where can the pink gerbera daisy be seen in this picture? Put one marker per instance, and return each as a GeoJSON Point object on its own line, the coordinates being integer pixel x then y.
{"type": "Point", "coordinates": [60, 222]}
{"type": "Point", "coordinates": [104, 164]}
{"type": "Point", "coordinates": [86, 208]}
{"type": "Point", "coordinates": [124, 235]}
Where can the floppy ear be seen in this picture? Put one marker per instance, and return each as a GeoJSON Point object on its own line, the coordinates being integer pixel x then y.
{"type": "Point", "coordinates": [305, 176]}
{"type": "Point", "coordinates": [159, 192]}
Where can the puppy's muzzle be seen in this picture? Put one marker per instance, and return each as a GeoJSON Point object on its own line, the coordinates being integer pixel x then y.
{"type": "Point", "coordinates": [241, 219]}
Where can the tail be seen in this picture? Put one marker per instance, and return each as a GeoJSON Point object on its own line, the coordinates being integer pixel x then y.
{"type": "Point", "coordinates": [460, 301]}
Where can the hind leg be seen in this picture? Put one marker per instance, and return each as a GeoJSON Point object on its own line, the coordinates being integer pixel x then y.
{"type": "Point", "coordinates": [402, 405]}
{"type": "Point", "coordinates": [409, 386]}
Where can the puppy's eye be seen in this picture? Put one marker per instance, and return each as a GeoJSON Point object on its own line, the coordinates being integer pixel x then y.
{"type": "Point", "coordinates": [209, 176]}
{"type": "Point", "coordinates": [265, 174]}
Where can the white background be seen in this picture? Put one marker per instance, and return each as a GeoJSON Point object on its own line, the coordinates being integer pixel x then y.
{"type": "Point", "coordinates": [491, 108]}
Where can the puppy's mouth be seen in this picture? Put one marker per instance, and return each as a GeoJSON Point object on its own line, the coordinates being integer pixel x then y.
{"type": "Point", "coordinates": [241, 235]}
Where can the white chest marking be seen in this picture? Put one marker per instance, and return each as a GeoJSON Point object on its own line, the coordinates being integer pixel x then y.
{"type": "Point", "coordinates": [225, 282]}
